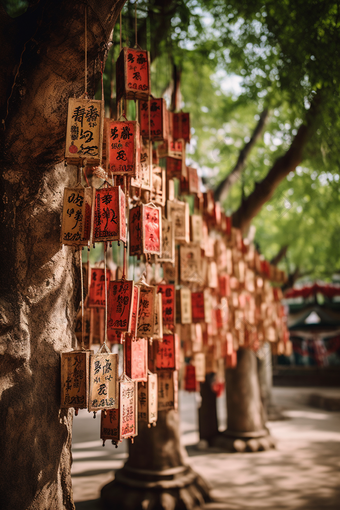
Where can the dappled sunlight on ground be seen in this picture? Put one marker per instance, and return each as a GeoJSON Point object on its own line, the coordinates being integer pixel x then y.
{"type": "Point", "coordinates": [301, 473]}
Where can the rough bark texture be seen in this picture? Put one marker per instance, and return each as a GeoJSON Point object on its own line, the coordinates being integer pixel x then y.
{"type": "Point", "coordinates": [224, 186]}
{"type": "Point", "coordinates": [156, 475]}
{"type": "Point", "coordinates": [264, 190]}
{"type": "Point", "coordinates": [245, 415]}
{"type": "Point", "coordinates": [207, 413]}
{"type": "Point", "coordinates": [42, 65]}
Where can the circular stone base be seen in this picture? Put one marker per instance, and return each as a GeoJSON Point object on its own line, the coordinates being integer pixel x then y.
{"type": "Point", "coordinates": [240, 442]}
{"type": "Point", "coordinates": [173, 489]}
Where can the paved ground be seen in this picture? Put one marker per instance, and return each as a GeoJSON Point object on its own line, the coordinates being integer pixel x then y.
{"type": "Point", "coordinates": [301, 474]}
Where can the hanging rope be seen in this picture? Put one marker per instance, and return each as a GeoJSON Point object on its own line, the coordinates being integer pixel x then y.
{"type": "Point", "coordinates": [136, 44]}
{"type": "Point", "coordinates": [82, 299]}
{"type": "Point", "coordinates": [85, 50]}
{"type": "Point", "coordinates": [105, 290]}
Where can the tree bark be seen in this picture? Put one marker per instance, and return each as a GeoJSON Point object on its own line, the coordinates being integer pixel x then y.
{"type": "Point", "coordinates": [156, 475]}
{"type": "Point", "coordinates": [287, 163]}
{"type": "Point", "coordinates": [224, 186]}
{"type": "Point", "coordinates": [42, 65]}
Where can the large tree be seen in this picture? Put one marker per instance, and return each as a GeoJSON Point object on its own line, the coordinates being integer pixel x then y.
{"type": "Point", "coordinates": [41, 66]}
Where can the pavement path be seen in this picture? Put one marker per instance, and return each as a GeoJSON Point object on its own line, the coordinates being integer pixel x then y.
{"type": "Point", "coordinates": [302, 473]}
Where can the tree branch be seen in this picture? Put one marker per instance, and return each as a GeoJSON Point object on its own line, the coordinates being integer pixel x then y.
{"type": "Point", "coordinates": [287, 163]}
{"type": "Point", "coordinates": [224, 186]}
{"type": "Point", "coordinates": [280, 255]}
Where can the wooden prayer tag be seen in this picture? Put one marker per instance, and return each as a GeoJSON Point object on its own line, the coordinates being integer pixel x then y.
{"type": "Point", "coordinates": [75, 379]}
{"type": "Point", "coordinates": [168, 242]}
{"type": "Point", "coordinates": [135, 308]}
{"type": "Point", "coordinates": [136, 351]}
{"type": "Point", "coordinates": [76, 221]}
{"type": "Point", "coordinates": [123, 147]}
{"type": "Point", "coordinates": [147, 299]}
{"type": "Point", "coordinates": [158, 315]}
{"type": "Point", "coordinates": [175, 167]}
{"type": "Point", "coordinates": [181, 126]}
{"type": "Point", "coordinates": [190, 184]}
{"type": "Point", "coordinates": [120, 304]}
{"type": "Point", "coordinates": [158, 189]}
{"type": "Point", "coordinates": [122, 423]}
{"type": "Point", "coordinates": [167, 353]}
{"type": "Point", "coordinates": [145, 229]}
{"type": "Point", "coordinates": [103, 381]}
{"type": "Point", "coordinates": [109, 215]}
{"type": "Point", "coordinates": [190, 382]}
{"type": "Point", "coordinates": [97, 288]}
{"type": "Point", "coordinates": [196, 228]}
{"type": "Point", "coordinates": [146, 165]}
{"type": "Point", "coordinates": [167, 390]}
{"type": "Point", "coordinates": [190, 262]}
{"type": "Point", "coordinates": [153, 113]}
{"type": "Point", "coordinates": [148, 400]}
{"type": "Point", "coordinates": [197, 307]}
{"type": "Point", "coordinates": [84, 132]}
{"type": "Point", "coordinates": [133, 74]}
{"type": "Point", "coordinates": [179, 212]}
{"type": "Point", "coordinates": [183, 306]}
{"type": "Point", "coordinates": [168, 303]}
{"type": "Point", "coordinates": [199, 363]}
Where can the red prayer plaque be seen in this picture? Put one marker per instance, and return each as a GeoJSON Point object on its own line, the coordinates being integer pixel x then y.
{"type": "Point", "coordinates": [134, 315]}
{"type": "Point", "coordinates": [175, 167]}
{"type": "Point", "coordinates": [145, 230]}
{"type": "Point", "coordinates": [136, 352]}
{"type": "Point", "coordinates": [123, 147]}
{"type": "Point", "coordinates": [109, 426]}
{"type": "Point", "coordinates": [120, 297]}
{"type": "Point", "coordinates": [147, 302]}
{"type": "Point", "coordinates": [181, 126]}
{"type": "Point", "coordinates": [133, 74]}
{"type": "Point", "coordinates": [97, 288]}
{"type": "Point", "coordinates": [167, 353]}
{"type": "Point", "coordinates": [152, 229]}
{"type": "Point", "coordinates": [153, 113]}
{"type": "Point", "coordinates": [168, 303]}
{"type": "Point", "coordinates": [190, 383]}
{"type": "Point", "coordinates": [197, 307]}
{"type": "Point", "coordinates": [109, 215]}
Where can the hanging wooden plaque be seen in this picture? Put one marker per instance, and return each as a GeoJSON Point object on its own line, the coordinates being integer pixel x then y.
{"type": "Point", "coordinates": [146, 165]}
{"type": "Point", "coordinates": [145, 230]}
{"type": "Point", "coordinates": [199, 363]}
{"type": "Point", "coordinates": [133, 74]}
{"type": "Point", "coordinates": [122, 147]}
{"type": "Point", "coordinates": [183, 306]}
{"type": "Point", "coordinates": [103, 392]}
{"type": "Point", "coordinates": [168, 242]}
{"type": "Point", "coordinates": [158, 189]}
{"type": "Point", "coordinates": [197, 307]}
{"type": "Point", "coordinates": [190, 381]}
{"type": "Point", "coordinates": [122, 423]}
{"type": "Point", "coordinates": [175, 167]}
{"type": "Point", "coordinates": [147, 300]}
{"type": "Point", "coordinates": [97, 287]}
{"type": "Point", "coordinates": [224, 285]}
{"type": "Point", "coordinates": [168, 303]}
{"type": "Point", "coordinates": [136, 351]}
{"type": "Point", "coordinates": [108, 215]}
{"type": "Point", "coordinates": [190, 184]}
{"type": "Point", "coordinates": [134, 314]}
{"type": "Point", "coordinates": [120, 304]}
{"type": "Point", "coordinates": [76, 219]}
{"type": "Point", "coordinates": [158, 316]}
{"type": "Point", "coordinates": [153, 119]}
{"type": "Point", "coordinates": [148, 400]}
{"type": "Point", "coordinates": [84, 132]}
{"type": "Point", "coordinates": [167, 390]}
{"type": "Point", "coordinates": [97, 326]}
{"type": "Point", "coordinates": [179, 213]}
{"type": "Point", "coordinates": [190, 263]}
{"type": "Point", "coordinates": [196, 228]}
{"type": "Point", "coordinates": [208, 306]}
{"type": "Point", "coordinates": [181, 126]}
{"type": "Point", "coordinates": [167, 353]}
{"type": "Point", "coordinates": [75, 379]}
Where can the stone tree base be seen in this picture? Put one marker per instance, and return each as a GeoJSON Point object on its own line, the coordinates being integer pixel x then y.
{"type": "Point", "coordinates": [138, 489]}
{"type": "Point", "coordinates": [234, 441]}
{"type": "Point", "coordinates": [156, 475]}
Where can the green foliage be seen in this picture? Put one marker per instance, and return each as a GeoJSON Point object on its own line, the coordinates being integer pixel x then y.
{"type": "Point", "coordinates": [15, 8]}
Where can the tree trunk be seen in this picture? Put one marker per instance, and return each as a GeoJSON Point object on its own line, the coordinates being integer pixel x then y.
{"type": "Point", "coordinates": [42, 65]}
{"type": "Point", "coordinates": [207, 413]}
{"type": "Point", "coordinates": [156, 475]}
{"type": "Point", "coordinates": [245, 417]}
